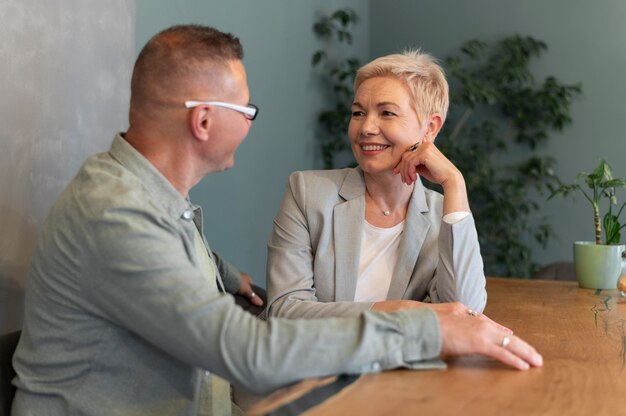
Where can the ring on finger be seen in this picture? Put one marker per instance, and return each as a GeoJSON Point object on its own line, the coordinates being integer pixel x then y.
{"type": "Point", "coordinates": [252, 294]}
{"type": "Point", "coordinates": [472, 312]}
{"type": "Point", "coordinates": [414, 147]}
{"type": "Point", "coordinates": [505, 341]}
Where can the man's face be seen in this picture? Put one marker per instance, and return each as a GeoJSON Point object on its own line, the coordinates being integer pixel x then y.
{"type": "Point", "coordinates": [229, 127]}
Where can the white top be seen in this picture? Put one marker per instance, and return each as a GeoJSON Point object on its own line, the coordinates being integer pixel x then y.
{"type": "Point", "coordinates": [379, 255]}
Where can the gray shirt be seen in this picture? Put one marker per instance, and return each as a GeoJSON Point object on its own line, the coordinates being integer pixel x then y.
{"type": "Point", "coordinates": [121, 319]}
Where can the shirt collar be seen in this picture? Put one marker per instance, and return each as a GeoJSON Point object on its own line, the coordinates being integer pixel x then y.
{"type": "Point", "coordinates": [154, 182]}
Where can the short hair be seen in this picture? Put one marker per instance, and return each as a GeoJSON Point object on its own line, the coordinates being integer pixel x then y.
{"type": "Point", "coordinates": [422, 74]}
{"type": "Point", "coordinates": [177, 52]}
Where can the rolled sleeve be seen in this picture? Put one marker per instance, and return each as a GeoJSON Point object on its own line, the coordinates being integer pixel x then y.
{"type": "Point", "coordinates": [454, 217]}
{"type": "Point", "coordinates": [417, 337]}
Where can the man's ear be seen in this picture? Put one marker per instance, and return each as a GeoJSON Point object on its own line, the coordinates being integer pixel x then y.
{"type": "Point", "coordinates": [200, 122]}
{"type": "Point", "coordinates": [434, 124]}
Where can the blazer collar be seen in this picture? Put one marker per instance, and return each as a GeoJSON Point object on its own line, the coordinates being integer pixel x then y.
{"type": "Point", "coordinates": [353, 185]}
{"type": "Point", "coordinates": [348, 219]}
{"type": "Point", "coordinates": [415, 232]}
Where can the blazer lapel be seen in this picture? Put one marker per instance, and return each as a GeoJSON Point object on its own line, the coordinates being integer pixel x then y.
{"type": "Point", "coordinates": [348, 220]}
{"type": "Point", "coordinates": [415, 232]}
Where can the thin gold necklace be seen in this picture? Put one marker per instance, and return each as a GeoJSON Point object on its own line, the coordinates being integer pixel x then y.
{"type": "Point", "coordinates": [385, 212]}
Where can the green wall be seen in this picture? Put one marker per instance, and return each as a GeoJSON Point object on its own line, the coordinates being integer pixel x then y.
{"type": "Point", "coordinates": [585, 41]}
{"type": "Point", "coordinates": [240, 204]}
{"type": "Point", "coordinates": [586, 44]}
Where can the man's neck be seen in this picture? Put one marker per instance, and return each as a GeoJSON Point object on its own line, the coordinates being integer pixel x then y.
{"type": "Point", "coordinates": [171, 161]}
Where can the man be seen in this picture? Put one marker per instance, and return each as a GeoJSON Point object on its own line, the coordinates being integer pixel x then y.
{"type": "Point", "coordinates": [125, 312]}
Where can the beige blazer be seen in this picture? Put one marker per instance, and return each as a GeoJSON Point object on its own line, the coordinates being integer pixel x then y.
{"type": "Point", "coordinates": [313, 251]}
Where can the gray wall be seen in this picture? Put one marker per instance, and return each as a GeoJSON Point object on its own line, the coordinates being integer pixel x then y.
{"type": "Point", "coordinates": [278, 42]}
{"type": "Point", "coordinates": [586, 44]}
{"type": "Point", "coordinates": [64, 71]}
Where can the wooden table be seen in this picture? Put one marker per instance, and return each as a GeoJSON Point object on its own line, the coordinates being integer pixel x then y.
{"type": "Point", "coordinates": [580, 333]}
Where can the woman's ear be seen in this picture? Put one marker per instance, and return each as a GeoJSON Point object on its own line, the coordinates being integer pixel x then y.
{"type": "Point", "coordinates": [434, 124]}
{"type": "Point", "coordinates": [200, 121]}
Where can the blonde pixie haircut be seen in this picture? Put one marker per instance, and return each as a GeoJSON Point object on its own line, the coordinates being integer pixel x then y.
{"type": "Point", "coordinates": [422, 74]}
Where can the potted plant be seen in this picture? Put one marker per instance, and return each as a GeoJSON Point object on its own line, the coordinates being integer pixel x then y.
{"type": "Point", "coordinates": [599, 264]}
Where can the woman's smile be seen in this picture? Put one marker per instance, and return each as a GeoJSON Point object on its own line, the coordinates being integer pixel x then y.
{"type": "Point", "coordinates": [373, 149]}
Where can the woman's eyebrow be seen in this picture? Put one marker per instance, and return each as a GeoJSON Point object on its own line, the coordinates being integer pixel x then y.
{"type": "Point", "coordinates": [380, 104]}
{"type": "Point", "coordinates": [385, 103]}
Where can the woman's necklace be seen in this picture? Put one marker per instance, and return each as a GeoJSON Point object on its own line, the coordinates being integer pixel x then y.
{"type": "Point", "coordinates": [385, 212]}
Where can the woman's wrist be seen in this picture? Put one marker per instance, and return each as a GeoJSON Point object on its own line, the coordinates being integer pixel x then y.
{"type": "Point", "coordinates": [455, 195]}
{"type": "Point", "coordinates": [393, 305]}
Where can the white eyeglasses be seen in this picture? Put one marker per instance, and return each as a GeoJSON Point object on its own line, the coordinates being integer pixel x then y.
{"type": "Point", "coordinates": [250, 111]}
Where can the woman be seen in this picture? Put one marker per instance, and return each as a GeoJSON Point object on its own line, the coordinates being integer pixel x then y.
{"type": "Point", "coordinates": [373, 237]}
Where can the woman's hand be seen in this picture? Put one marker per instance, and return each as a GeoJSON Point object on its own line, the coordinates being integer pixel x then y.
{"type": "Point", "coordinates": [426, 160]}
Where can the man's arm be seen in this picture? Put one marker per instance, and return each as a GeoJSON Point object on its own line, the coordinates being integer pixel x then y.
{"type": "Point", "coordinates": [147, 283]}
{"type": "Point", "coordinates": [231, 276]}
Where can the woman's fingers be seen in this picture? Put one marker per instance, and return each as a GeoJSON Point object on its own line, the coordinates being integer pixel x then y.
{"type": "Point", "coordinates": [411, 164]}
{"type": "Point", "coordinates": [426, 161]}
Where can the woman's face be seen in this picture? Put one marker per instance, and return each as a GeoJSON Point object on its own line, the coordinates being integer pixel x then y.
{"type": "Point", "coordinates": [384, 124]}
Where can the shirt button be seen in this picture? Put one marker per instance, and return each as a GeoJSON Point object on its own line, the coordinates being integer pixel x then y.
{"type": "Point", "coordinates": [188, 215]}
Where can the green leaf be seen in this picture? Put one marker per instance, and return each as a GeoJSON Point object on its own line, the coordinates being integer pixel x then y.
{"type": "Point", "coordinates": [614, 183]}
{"type": "Point", "coordinates": [322, 29]}
{"type": "Point", "coordinates": [598, 172]}
{"type": "Point", "coordinates": [565, 190]}
{"type": "Point", "coordinates": [345, 16]}
{"type": "Point", "coordinates": [611, 229]}
{"type": "Point", "coordinates": [317, 57]}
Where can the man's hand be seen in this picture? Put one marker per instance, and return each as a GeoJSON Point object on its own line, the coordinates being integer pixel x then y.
{"type": "Point", "coordinates": [467, 332]}
{"type": "Point", "coordinates": [246, 290]}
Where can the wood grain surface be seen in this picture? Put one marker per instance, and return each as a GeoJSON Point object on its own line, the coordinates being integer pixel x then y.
{"type": "Point", "coordinates": [579, 332]}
